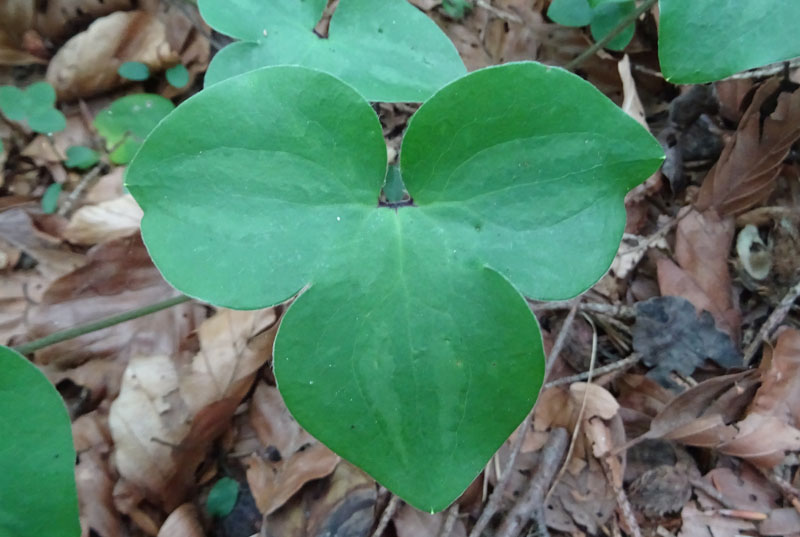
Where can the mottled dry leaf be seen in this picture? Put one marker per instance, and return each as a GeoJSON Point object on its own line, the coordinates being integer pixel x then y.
{"type": "Point", "coordinates": [702, 244]}
{"type": "Point", "coordinates": [118, 277]}
{"type": "Point", "coordinates": [746, 487]}
{"type": "Point", "coordinates": [750, 163]}
{"type": "Point", "coordinates": [87, 64]}
{"type": "Point", "coordinates": [696, 523]}
{"type": "Point", "coordinates": [182, 522]}
{"type": "Point", "coordinates": [292, 456]}
{"type": "Point", "coordinates": [168, 413]}
{"type": "Point", "coordinates": [781, 523]}
{"type": "Point", "coordinates": [410, 522]}
{"type": "Point", "coordinates": [763, 440]}
{"type": "Point", "coordinates": [108, 220]}
{"type": "Point", "coordinates": [779, 394]}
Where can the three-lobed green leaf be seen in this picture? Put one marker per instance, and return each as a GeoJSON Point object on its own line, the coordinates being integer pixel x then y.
{"type": "Point", "coordinates": [393, 52]}
{"type": "Point", "coordinates": [411, 350]}
{"type": "Point", "coordinates": [37, 459]}
{"type": "Point", "coordinates": [35, 105]}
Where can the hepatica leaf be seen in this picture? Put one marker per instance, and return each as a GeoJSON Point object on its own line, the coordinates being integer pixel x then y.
{"type": "Point", "coordinates": [410, 350]}
{"type": "Point", "coordinates": [127, 122]}
{"type": "Point", "coordinates": [704, 41]}
{"type": "Point", "coordinates": [393, 52]}
{"type": "Point", "coordinates": [37, 460]}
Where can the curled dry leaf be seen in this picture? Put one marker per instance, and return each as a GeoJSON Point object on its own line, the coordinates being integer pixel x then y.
{"type": "Point", "coordinates": [182, 522]}
{"type": "Point", "coordinates": [106, 221]}
{"type": "Point", "coordinates": [702, 244]}
{"type": "Point", "coordinates": [779, 394]}
{"type": "Point", "coordinates": [168, 414]}
{"type": "Point", "coordinates": [18, 291]}
{"type": "Point", "coordinates": [599, 402]}
{"type": "Point", "coordinates": [410, 522]}
{"type": "Point", "coordinates": [750, 163]}
{"type": "Point", "coordinates": [87, 64]}
{"type": "Point", "coordinates": [292, 456]}
{"type": "Point", "coordinates": [763, 440]}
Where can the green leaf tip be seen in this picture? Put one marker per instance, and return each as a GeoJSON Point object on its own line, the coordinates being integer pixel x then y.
{"type": "Point", "coordinates": [392, 52]}
{"type": "Point", "coordinates": [38, 496]}
{"type": "Point", "coordinates": [411, 350]}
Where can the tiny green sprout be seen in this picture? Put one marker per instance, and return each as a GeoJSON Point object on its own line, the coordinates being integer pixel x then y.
{"type": "Point", "coordinates": [456, 9]}
{"type": "Point", "coordinates": [50, 198]}
{"type": "Point", "coordinates": [134, 71]}
{"type": "Point", "coordinates": [81, 157]}
{"type": "Point", "coordinates": [178, 76]}
{"type": "Point", "coordinates": [34, 105]}
{"type": "Point", "coordinates": [222, 497]}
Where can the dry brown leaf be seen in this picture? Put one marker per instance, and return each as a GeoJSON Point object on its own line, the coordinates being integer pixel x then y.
{"type": "Point", "coordinates": [697, 523]}
{"type": "Point", "coordinates": [781, 523]}
{"type": "Point", "coordinates": [702, 244]}
{"type": "Point", "coordinates": [599, 402]}
{"type": "Point", "coordinates": [747, 488]}
{"type": "Point", "coordinates": [182, 522]}
{"type": "Point", "coordinates": [762, 440]}
{"type": "Point", "coordinates": [87, 64]}
{"type": "Point", "coordinates": [108, 220]}
{"type": "Point", "coordinates": [118, 277]}
{"type": "Point", "coordinates": [18, 291]}
{"type": "Point", "coordinates": [168, 414]}
{"type": "Point", "coordinates": [779, 394]}
{"type": "Point", "coordinates": [750, 163]}
{"type": "Point", "coordinates": [410, 522]}
{"type": "Point", "coordinates": [293, 457]}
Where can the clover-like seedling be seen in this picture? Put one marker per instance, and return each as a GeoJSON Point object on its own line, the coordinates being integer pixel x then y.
{"type": "Point", "coordinates": [37, 458]}
{"type": "Point", "coordinates": [389, 52]}
{"type": "Point", "coordinates": [34, 105]}
{"type": "Point", "coordinates": [600, 15]}
{"type": "Point", "coordinates": [127, 122]}
{"type": "Point", "coordinates": [410, 350]}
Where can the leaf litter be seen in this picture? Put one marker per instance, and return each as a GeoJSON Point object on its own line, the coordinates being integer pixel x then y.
{"type": "Point", "coordinates": [166, 406]}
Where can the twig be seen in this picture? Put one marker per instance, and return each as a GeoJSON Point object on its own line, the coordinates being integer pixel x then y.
{"type": "Point", "coordinates": [624, 23]}
{"type": "Point", "coordinates": [631, 360]}
{"type": "Point", "coordinates": [709, 489]}
{"type": "Point", "coordinates": [387, 515]}
{"type": "Point", "coordinates": [85, 183]}
{"type": "Point", "coordinates": [532, 502]}
{"type": "Point", "coordinates": [772, 322]}
{"type": "Point", "coordinates": [619, 310]}
{"type": "Point", "coordinates": [624, 506]}
{"type": "Point", "coordinates": [767, 70]}
{"type": "Point", "coordinates": [561, 339]}
{"type": "Point", "coordinates": [450, 521]}
{"type": "Point", "coordinates": [501, 14]}
{"type": "Point", "coordinates": [494, 499]}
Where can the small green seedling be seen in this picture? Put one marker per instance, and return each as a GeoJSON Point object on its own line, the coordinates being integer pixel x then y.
{"type": "Point", "coordinates": [600, 16]}
{"type": "Point", "coordinates": [178, 76]}
{"type": "Point", "coordinates": [50, 198]}
{"type": "Point", "coordinates": [222, 497]}
{"type": "Point", "coordinates": [411, 350]}
{"type": "Point", "coordinates": [134, 71]}
{"type": "Point", "coordinates": [34, 105]}
{"type": "Point", "coordinates": [456, 9]}
{"type": "Point", "coordinates": [393, 54]}
{"type": "Point", "coordinates": [127, 122]}
{"type": "Point", "coordinates": [37, 459]}
{"type": "Point", "coordinates": [81, 157]}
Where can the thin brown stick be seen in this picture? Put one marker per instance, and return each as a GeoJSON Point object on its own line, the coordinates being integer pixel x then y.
{"type": "Point", "coordinates": [561, 339]}
{"type": "Point", "coordinates": [386, 516]}
{"type": "Point", "coordinates": [708, 489]}
{"type": "Point", "coordinates": [450, 521]}
{"type": "Point", "coordinates": [772, 323]}
{"type": "Point", "coordinates": [625, 363]}
{"type": "Point", "coordinates": [533, 499]}
{"type": "Point", "coordinates": [86, 182]}
{"type": "Point", "coordinates": [625, 506]}
{"type": "Point", "coordinates": [618, 311]}
{"type": "Point", "coordinates": [494, 499]}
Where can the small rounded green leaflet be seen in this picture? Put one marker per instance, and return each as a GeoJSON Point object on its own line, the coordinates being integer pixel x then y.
{"type": "Point", "coordinates": [35, 105]}
{"type": "Point", "coordinates": [390, 52]}
{"type": "Point", "coordinates": [127, 122]}
{"type": "Point", "coordinates": [178, 76]}
{"type": "Point", "coordinates": [50, 198]}
{"type": "Point", "coordinates": [81, 157]}
{"type": "Point", "coordinates": [601, 16]}
{"type": "Point", "coordinates": [411, 350]}
{"type": "Point", "coordinates": [134, 71]}
{"type": "Point", "coordinates": [37, 459]}
{"type": "Point", "coordinates": [704, 41]}
{"type": "Point", "coordinates": [222, 497]}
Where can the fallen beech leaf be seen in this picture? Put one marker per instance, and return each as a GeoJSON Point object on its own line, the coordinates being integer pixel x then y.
{"type": "Point", "coordinates": [293, 457]}
{"type": "Point", "coordinates": [87, 64]}
{"type": "Point", "coordinates": [702, 244]}
{"type": "Point", "coordinates": [670, 336]}
{"type": "Point", "coordinates": [599, 402]}
{"type": "Point", "coordinates": [108, 220]}
{"type": "Point", "coordinates": [182, 522]}
{"type": "Point", "coordinates": [696, 523]}
{"type": "Point", "coordinates": [118, 277]}
{"type": "Point", "coordinates": [750, 163]}
{"type": "Point", "coordinates": [168, 414]}
{"type": "Point", "coordinates": [763, 440]}
{"type": "Point", "coordinates": [410, 522]}
{"type": "Point", "coordinates": [779, 394]}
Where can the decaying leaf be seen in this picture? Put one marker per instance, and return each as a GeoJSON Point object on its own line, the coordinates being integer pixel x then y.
{"type": "Point", "coordinates": [87, 64]}
{"type": "Point", "coordinates": [697, 523]}
{"type": "Point", "coordinates": [671, 337]}
{"type": "Point", "coordinates": [169, 412]}
{"type": "Point", "coordinates": [182, 522]}
{"type": "Point", "coordinates": [410, 522]}
{"type": "Point", "coordinates": [750, 163]}
{"type": "Point", "coordinates": [779, 394]}
{"type": "Point", "coordinates": [106, 221]}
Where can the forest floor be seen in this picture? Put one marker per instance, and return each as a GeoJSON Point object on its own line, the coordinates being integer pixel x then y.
{"type": "Point", "coordinates": [676, 377]}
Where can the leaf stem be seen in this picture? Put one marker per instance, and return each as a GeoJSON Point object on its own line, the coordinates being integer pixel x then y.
{"type": "Point", "coordinates": [71, 333]}
{"type": "Point", "coordinates": [624, 23]}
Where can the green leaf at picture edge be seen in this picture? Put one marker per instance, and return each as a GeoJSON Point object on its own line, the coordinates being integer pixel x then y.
{"type": "Point", "coordinates": [411, 352]}
{"type": "Point", "coordinates": [2, 147]}
{"type": "Point", "coordinates": [178, 76]}
{"type": "Point", "coordinates": [134, 71]}
{"type": "Point", "coordinates": [705, 41]}
{"type": "Point", "coordinates": [222, 497]}
{"type": "Point", "coordinates": [13, 103]}
{"type": "Point", "coordinates": [575, 13]}
{"type": "Point", "coordinates": [392, 54]}
{"type": "Point", "coordinates": [81, 157]}
{"type": "Point", "coordinates": [127, 122]}
{"type": "Point", "coordinates": [37, 460]}
{"type": "Point", "coordinates": [50, 198]}
{"type": "Point", "coordinates": [606, 17]}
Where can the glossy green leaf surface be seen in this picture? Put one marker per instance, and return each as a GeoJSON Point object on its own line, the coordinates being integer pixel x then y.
{"type": "Point", "coordinates": [222, 497]}
{"type": "Point", "coordinates": [35, 105]}
{"type": "Point", "coordinates": [127, 122]}
{"type": "Point", "coordinates": [395, 53]}
{"type": "Point", "coordinates": [37, 459]}
{"type": "Point", "coordinates": [410, 350]}
{"type": "Point", "coordinates": [81, 157]}
{"type": "Point", "coordinates": [134, 71]}
{"type": "Point", "coordinates": [177, 76]}
{"type": "Point", "coordinates": [704, 41]}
